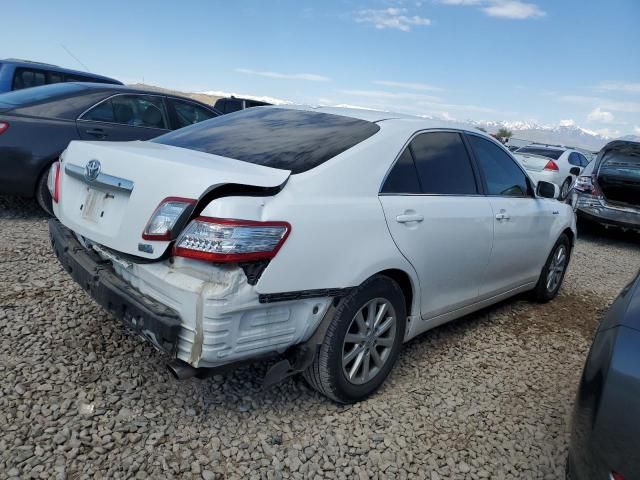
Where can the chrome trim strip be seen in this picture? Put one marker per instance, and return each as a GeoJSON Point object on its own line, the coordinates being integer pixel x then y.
{"type": "Point", "coordinates": [103, 180]}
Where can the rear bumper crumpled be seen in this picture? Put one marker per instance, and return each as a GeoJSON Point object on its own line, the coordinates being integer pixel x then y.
{"type": "Point", "coordinates": [215, 316]}
{"type": "Point", "coordinates": [596, 210]}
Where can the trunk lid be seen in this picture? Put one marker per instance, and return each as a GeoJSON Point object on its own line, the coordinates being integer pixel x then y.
{"type": "Point", "coordinates": [532, 162]}
{"type": "Point", "coordinates": [132, 179]}
{"type": "Point", "coordinates": [619, 172]}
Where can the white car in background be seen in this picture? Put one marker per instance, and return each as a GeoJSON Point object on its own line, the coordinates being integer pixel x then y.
{"type": "Point", "coordinates": [557, 165]}
{"type": "Point", "coordinates": [330, 236]}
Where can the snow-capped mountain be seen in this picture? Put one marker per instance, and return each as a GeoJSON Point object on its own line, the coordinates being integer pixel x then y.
{"type": "Point", "coordinates": [567, 133]}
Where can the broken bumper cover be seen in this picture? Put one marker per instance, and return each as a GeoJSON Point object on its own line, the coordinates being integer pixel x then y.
{"type": "Point", "coordinates": [599, 211]}
{"type": "Point", "coordinates": [154, 321]}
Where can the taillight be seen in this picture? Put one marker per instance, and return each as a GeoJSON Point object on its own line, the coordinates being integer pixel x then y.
{"type": "Point", "coordinates": [587, 184]}
{"type": "Point", "coordinates": [4, 126]}
{"type": "Point", "coordinates": [165, 217]}
{"type": "Point", "coordinates": [616, 476]}
{"type": "Point", "coordinates": [225, 240]}
{"type": "Point", "coordinates": [53, 181]}
{"type": "Point", "coordinates": [551, 165]}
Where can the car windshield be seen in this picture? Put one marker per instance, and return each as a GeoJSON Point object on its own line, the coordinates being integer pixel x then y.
{"type": "Point", "coordinates": [545, 152]}
{"type": "Point", "coordinates": [38, 94]}
{"type": "Point", "coordinates": [296, 140]}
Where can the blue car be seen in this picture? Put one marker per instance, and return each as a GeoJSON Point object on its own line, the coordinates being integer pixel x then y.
{"type": "Point", "coordinates": [18, 74]}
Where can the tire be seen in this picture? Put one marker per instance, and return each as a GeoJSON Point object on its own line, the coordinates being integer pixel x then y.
{"type": "Point", "coordinates": [546, 289]}
{"type": "Point", "coordinates": [43, 197]}
{"type": "Point", "coordinates": [327, 375]}
{"type": "Point", "coordinates": [566, 185]}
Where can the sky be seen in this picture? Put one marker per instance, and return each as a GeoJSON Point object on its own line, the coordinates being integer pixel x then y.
{"type": "Point", "coordinates": [556, 62]}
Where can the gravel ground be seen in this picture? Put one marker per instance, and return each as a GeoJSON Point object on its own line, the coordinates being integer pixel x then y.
{"type": "Point", "coordinates": [488, 396]}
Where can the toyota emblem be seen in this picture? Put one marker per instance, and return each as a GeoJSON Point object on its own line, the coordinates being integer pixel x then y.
{"type": "Point", "coordinates": [92, 170]}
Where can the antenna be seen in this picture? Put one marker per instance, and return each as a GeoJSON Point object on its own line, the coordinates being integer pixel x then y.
{"type": "Point", "coordinates": [75, 58]}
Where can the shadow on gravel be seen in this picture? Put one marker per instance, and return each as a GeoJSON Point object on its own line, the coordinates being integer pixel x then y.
{"type": "Point", "coordinates": [19, 207]}
{"type": "Point", "coordinates": [594, 233]}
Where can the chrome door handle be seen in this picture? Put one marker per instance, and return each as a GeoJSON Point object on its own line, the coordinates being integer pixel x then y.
{"type": "Point", "coordinates": [502, 216]}
{"type": "Point", "coordinates": [409, 218]}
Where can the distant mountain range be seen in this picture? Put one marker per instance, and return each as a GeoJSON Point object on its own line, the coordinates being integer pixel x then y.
{"type": "Point", "coordinates": [567, 133]}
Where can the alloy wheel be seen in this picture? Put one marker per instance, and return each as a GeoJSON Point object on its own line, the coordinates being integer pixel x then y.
{"type": "Point", "coordinates": [369, 340]}
{"type": "Point", "coordinates": [556, 268]}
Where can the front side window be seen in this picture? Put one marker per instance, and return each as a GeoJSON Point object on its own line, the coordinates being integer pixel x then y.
{"type": "Point", "coordinates": [27, 78]}
{"type": "Point", "coordinates": [188, 113]}
{"type": "Point", "coordinates": [133, 110]}
{"type": "Point", "coordinates": [403, 177]}
{"type": "Point", "coordinates": [443, 164]}
{"type": "Point", "coordinates": [295, 140]}
{"type": "Point", "coordinates": [501, 173]}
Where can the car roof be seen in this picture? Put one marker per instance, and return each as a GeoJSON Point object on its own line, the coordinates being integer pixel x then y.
{"type": "Point", "coordinates": [376, 116]}
{"type": "Point", "coordinates": [48, 66]}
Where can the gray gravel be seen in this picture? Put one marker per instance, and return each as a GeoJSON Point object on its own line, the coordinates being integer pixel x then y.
{"type": "Point", "coordinates": [488, 396]}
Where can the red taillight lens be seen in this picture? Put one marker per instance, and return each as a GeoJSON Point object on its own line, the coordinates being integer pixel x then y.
{"type": "Point", "coordinates": [551, 165]}
{"type": "Point", "coordinates": [4, 126]}
{"type": "Point", "coordinates": [164, 218]}
{"type": "Point", "coordinates": [225, 240]}
{"type": "Point", "coordinates": [53, 181]}
{"type": "Point", "coordinates": [616, 476]}
{"type": "Point", "coordinates": [587, 184]}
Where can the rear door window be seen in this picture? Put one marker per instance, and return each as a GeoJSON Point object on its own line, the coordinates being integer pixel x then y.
{"type": "Point", "coordinates": [288, 139]}
{"type": "Point", "coordinates": [28, 77]}
{"type": "Point", "coordinates": [232, 105]}
{"type": "Point", "coordinates": [133, 110]}
{"type": "Point", "coordinates": [403, 177]}
{"type": "Point", "coordinates": [502, 174]}
{"type": "Point", "coordinates": [574, 159]}
{"type": "Point", "coordinates": [188, 113]}
{"type": "Point", "coordinates": [443, 164]}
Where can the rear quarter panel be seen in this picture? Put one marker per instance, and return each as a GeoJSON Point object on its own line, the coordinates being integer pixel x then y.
{"type": "Point", "coordinates": [28, 147]}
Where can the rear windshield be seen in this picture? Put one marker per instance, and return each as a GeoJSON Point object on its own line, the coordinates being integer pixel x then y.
{"type": "Point", "coordinates": [293, 140]}
{"type": "Point", "coordinates": [545, 152]}
{"type": "Point", "coordinates": [38, 94]}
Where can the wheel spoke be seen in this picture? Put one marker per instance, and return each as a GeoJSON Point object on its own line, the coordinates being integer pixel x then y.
{"type": "Point", "coordinates": [362, 326]}
{"type": "Point", "coordinates": [371, 313]}
{"type": "Point", "coordinates": [365, 366]}
{"type": "Point", "coordinates": [380, 315]}
{"type": "Point", "coordinates": [375, 356]}
{"type": "Point", "coordinates": [385, 326]}
{"type": "Point", "coordinates": [356, 364]}
{"type": "Point", "coordinates": [351, 355]}
{"type": "Point", "coordinates": [385, 342]}
{"type": "Point", "coordinates": [355, 338]}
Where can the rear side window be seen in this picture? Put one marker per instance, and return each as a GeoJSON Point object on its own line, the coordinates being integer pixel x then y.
{"type": "Point", "coordinates": [232, 105]}
{"type": "Point", "coordinates": [443, 164]}
{"type": "Point", "coordinates": [134, 110]}
{"type": "Point", "coordinates": [295, 140]}
{"type": "Point", "coordinates": [27, 78]}
{"type": "Point", "coordinates": [403, 177]}
{"type": "Point", "coordinates": [502, 174]}
{"type": "Point", "coordinates": [545, 152]}
{"type": "Point", "coordinates": [188, 113]}
{"type": "Point", "coordinates": [574, 159]}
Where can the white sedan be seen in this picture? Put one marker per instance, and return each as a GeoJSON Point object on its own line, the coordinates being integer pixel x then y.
{"type": "Point", "coordinates": [557, 165]}
{"type": "Point", "coordinates": [328, 236]}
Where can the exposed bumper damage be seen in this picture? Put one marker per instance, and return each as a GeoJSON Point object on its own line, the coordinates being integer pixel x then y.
{"type": "Point", "coordinates": [215, 315]}
{"type": "Point", "coordinates": [598, 210]}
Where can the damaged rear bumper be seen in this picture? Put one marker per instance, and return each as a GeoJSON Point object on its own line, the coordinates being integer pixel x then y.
{"type": "Point", "coordinates": [203, 314]}
{"type": "Point", "coordinates": [598, 210]}
{"type": "Point", "coordinates": [154, 321]}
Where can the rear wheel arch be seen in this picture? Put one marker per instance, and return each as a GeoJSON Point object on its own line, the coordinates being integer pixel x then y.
{"type": "Point", "coordinates": [403, 279]}
{"type": "Point", "coordinates": [572, 237]}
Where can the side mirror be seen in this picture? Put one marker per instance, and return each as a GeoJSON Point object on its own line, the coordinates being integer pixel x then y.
{"type": "Point", "coordinates": [575, 171]}
{"type": "Point", "coordinates": [547, 190]}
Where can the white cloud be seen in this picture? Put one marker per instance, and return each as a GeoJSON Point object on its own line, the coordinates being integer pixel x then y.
{"type": "Point", "coordinates": [511, 9]}
{"type": "Point", "coordinates": [408, 85]}
{"type": "Point", "coordinates": [623, 87]}
{"type": "Point", "coordinates": [599, 115]}
{"type": "Point", "coordinates": [391, 17]}
{"type": "Point", "coordinates": [636, 130]}
{"type": "Point", "coordinates": [567, 123]}
{"type": "Point", "coordinates": [285, 76]}
{"type": "Point", "coordinates": [615, 105]}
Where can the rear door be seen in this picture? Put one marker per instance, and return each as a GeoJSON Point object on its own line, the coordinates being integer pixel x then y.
{"type": "Point", "coordinates": [439, 220]}
{"type": "Point", "coordinates": [521, 221]}
{"type": "Point", "coordinates": [125, 117]}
